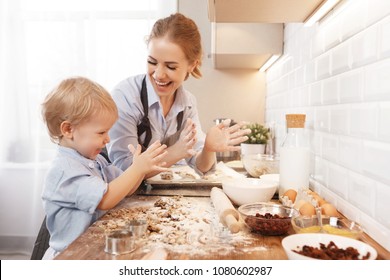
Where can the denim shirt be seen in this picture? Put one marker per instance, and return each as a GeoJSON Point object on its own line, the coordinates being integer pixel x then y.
{"type": "Point", "coordinates": [73, 188]}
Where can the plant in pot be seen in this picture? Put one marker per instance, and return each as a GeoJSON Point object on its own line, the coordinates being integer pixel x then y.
{"type": "Point", "coordinates": [257, 139]}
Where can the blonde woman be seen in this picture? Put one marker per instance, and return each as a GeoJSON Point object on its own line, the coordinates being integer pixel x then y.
{"type": "Point", "coordinates": [156, 107]}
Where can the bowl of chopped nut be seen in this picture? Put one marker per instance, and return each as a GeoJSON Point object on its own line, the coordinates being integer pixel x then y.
{"type": "Point", "coordinates": [267, 218]}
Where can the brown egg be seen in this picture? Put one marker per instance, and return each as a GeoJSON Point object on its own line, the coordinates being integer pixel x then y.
{"type": "Point", "coordinates": [291, 194]}
{"type": "Point", "coordinates": [329, 210]}
{"type": "Point", "coordinates": [315, 196]}
{"type": "Point", "coordinates": [322, 202]}
{"type": "Point", "coordinates": [307, 209]}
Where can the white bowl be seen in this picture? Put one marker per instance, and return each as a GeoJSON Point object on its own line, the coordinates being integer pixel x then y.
{"type": "Point", "coordinates": [249, 190]}
{"type": "Point", "coordinates": [297, 241]}
{"type": "Point", "coordinates": [271, 177]}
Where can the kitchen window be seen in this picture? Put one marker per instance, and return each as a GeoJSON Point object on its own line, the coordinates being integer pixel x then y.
{"type": "Point", "coordinates": [41, 43]}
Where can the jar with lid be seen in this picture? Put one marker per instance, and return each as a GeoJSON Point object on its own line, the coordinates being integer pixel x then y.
{"type": "Point", "coordinates": [294, 155]}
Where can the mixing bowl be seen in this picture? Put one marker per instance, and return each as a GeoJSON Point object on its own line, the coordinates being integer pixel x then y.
{"type": "Point", "coordinates": [248, 190]}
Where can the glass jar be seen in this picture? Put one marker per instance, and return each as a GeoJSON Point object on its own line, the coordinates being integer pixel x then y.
{"type": "Point", "coordinates": [294, 155]}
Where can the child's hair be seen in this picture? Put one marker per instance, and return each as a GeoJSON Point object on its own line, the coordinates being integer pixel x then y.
{"type": "Point", "coordinates": [75, 100]}
{"type": "Point", "coordinates": [182, 31]}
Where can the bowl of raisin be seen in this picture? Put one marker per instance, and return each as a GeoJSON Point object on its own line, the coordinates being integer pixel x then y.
{"type": "Point", "coordinates": [267, 218]}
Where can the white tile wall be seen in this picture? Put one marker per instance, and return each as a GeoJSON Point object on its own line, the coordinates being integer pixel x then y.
{"type": "Point", "coordinates": [338, 73]}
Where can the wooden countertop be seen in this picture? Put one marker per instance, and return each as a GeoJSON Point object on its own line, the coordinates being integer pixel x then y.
{"type": "Point", "coordinates": [192, 233]}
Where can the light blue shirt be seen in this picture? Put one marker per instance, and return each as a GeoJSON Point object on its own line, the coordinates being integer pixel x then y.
{"type": "Point", "coordinates": [127, 96]}
{"type": "Point", "coordinates": [73, 189]}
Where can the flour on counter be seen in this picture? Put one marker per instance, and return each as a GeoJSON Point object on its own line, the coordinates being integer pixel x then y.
{"type": "Point", "coordinates": [180, 225]}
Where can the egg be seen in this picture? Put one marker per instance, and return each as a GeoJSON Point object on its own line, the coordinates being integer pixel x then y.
{"type": "Point", "coordinates": [307, 209]}
{"type": "Point", "coordinates": [329, 210]}
{"type": "Point", "coordinates": [291, 194]}
{"type": "Point", "coordinates": [322, 202]}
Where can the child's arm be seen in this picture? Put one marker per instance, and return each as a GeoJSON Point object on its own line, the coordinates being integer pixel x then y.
{"type": "Point", "coordinates": [131, 178]}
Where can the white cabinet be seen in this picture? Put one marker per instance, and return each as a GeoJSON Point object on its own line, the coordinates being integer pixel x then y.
{"type": "Point", "coordinates": [264, 11]}
{"type": "Point", "coordinates": [245, 45]}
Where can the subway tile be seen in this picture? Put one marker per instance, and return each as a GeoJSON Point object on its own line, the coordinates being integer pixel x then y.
{"type": "Point", "coordinates": [348, 210]}
{"type": "Point", "coordinates": [330, 196]}
{"type": "Point", "coordinates": [315, 94]}
{"type": "Point", "coordinates": [382, 204]}
{"type": "Point", "coordinates": [310, 72]}
{"type": "Point", "coordinates": [362, 192]}
{"type": "Point", "coordinates": [323, 67]}
{"type": "Point", "coordinates": [331, 32]}
{"type": "Point", "coordinates": [305, 96]}
{"type": "Point", "coordinates": [376, 230]}
{"type": "Point", "coordinates": [341, 59]}
{"type": "Point", "coordinates": [338, 180]}
{"type": "Point", "coordinates": [299, 76]}
{"type": "Point", "coordinates": [350, 152]}
{"type": "Point", "coordinates": [330, 93]}
{"type": "Point", "coordinates": [384, 35]}
{"type": "Point", "coordinates": [316, 43]}
{"type": "Point", "coordinates": [330, 147]}
{"type": "Point", "coordinates": [316, 142]}
{"type": "Point", "coordinates": [350, 25]}
{"type": "Point", "coordinates": [291, 77]}
{"type": "Point", "coordinates": [376, 12]}
{"type": "Point", "coordinates": [364, 47]}
{"type": "Point", "coordinates": [351, 86]}
{"type": "Point", "coordinates": [295, 97]}
{"type": "Point", "coordinates": [377, 77]}
{"type": "Point", "coordinates": [363, 120]}
{"type": "Point", "coordinates": [384, 121]}
{"type": "Point", "coordinates": [320, 170]}
{"type": "Point", "coordinates": [321, 122]}
{"type": "Point", "coordinates": [376, 160]}
{"type": "Point", "coordinates": [339, 120]}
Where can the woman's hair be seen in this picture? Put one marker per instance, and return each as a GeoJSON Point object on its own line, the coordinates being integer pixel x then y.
{"type": "Point", "coordinates": [75, 100]}
{"type": "Point", "coordinates": [183, 32]}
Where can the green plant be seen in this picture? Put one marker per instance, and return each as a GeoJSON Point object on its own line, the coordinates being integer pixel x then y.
{"type": "Point", "coordinates": [259, 134]}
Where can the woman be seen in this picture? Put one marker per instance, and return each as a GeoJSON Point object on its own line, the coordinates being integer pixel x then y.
{"type": "Point", "coordinates": [155, 106]}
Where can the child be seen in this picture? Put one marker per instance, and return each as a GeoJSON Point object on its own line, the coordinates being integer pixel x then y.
{"type": "Point", "coordinates": [80, 184]}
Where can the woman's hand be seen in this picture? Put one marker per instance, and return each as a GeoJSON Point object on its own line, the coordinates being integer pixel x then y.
{"type": "Point", "coordinates": [151, 160]}
{"type": "Point", "coordinates": [222, 138]}
{"type": "Point", "coordinates": [185, 144]}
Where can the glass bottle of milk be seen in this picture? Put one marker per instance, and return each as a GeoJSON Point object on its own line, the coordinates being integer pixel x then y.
{"type": "Point", "coordinates": [294, 155]}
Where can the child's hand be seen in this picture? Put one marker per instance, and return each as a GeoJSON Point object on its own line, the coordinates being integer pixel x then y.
{"type": "Point", "coordinates": [151, 160]}
{"type": "Point", "coordinates": [187, 140]}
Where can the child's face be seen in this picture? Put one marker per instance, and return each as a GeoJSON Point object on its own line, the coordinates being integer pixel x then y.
{"type": "Point", "coordinates": [167, 66]}
{"type": "Point", "coordinates": [90, 137]}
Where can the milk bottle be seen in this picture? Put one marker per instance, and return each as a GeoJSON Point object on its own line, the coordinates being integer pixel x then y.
{"type": "Point", "coordinates": [294, 166]}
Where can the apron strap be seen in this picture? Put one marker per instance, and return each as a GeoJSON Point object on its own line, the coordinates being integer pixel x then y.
{"type": "Point", "coordinates": [144, 126]}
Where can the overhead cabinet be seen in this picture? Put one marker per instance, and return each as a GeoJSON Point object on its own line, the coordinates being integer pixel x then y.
{"type": "Point", "coordinates": [245, 45]}
{"type": "Point", "coordinates": [264, 11]}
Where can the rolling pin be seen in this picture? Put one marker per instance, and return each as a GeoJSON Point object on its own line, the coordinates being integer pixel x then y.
{"type": "Point", "coordinates": [228, 215]}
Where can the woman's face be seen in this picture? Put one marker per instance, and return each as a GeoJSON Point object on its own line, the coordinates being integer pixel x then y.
{"type": "Point", "coordinates": [167, 66]}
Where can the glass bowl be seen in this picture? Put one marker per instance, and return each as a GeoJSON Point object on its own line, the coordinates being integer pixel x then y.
{"type": "Point", "coordinates": [260, 164]}
{"type": "Point", "coordinates": [267, 218]}
{"type": "Point", "coordinates": [331, 225]}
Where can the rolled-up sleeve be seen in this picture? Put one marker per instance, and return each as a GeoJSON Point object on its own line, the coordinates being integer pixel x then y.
{"type": "Point", "coordinates": [123, 132]}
